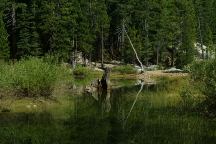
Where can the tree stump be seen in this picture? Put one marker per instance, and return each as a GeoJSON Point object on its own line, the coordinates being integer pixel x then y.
{"type": "Point", "coordinates": [105, 81]}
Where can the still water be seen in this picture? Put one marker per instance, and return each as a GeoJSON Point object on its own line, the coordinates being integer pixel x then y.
{"type": "Point", "coordinates": [133, 113]}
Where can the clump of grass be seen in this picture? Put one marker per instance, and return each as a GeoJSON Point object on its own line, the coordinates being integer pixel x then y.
{"type": "Point", "coordinates": [125, 69]}
{"type": "Point", "coordinates": [82, 72]}
{"type": "Point", "coordinates": [31, 78]}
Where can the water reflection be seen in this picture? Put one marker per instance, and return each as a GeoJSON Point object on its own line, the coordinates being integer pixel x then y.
{"type": "Point", "coordinates": [132, 114]}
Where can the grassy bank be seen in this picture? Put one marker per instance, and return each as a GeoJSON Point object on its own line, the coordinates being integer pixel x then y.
{"type": "Point", "coordinates": [31, 77]}
{"type": "Point", "coordinates": [124, 69]}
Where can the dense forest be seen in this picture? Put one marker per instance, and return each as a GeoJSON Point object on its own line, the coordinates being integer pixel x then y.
{"type": "Point", "coordinates": [162, 31]}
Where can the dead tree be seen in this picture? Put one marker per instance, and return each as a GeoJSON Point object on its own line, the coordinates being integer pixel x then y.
{"type": "Point", "coordinates": [137, 57]}
{"type": "Point", "coordinates": [105, 81]}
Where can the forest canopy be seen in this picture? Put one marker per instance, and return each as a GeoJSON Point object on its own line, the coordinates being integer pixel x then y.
{"type": "Point", "coordinates": [163, 31]}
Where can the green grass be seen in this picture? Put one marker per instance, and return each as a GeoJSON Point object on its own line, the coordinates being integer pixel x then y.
{"type": "Point", "coordinates": [126, 69]}
{"type": "Point", "coordinates": [82, 72]}
{"type": "Point", "coordinates": [31, 78]}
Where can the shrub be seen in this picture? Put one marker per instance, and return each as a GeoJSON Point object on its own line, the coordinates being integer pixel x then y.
{"type": "Point", "coordinates": [82, 72]}
{"type": "Point", "coordinates": [32, 77]}
{"type": "Point", "coordinates": [126, 69]}
{"type": "Point", "coordinates": [204, 74]}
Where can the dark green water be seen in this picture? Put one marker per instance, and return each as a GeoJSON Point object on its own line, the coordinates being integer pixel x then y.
{"type": "Point", "coordinates": [120, 116]}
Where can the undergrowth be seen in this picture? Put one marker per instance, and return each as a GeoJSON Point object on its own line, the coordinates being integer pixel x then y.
{"type": "Point", "coordinates": [32, 77]}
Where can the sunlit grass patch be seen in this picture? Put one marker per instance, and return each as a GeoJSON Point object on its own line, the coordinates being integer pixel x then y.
{"type": "Point", "coordinates": [32, 78]}
{"type": "Point", "coordinates": [125, 69]}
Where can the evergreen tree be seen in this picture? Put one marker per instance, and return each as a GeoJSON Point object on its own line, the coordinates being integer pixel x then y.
{"type": "Point", "coordinates": [188, 34]}
{"type": "Point", "coordinates": [4, 48]}
{"type": "Point", "coordinates": [28, 41]}
{"type": "Point", "coordinates": [162, 31]}
{"type": "Point", "coordinates": [100, 27]}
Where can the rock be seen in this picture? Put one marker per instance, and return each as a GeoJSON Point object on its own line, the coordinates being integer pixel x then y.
{"type": "Point", "coordinates": [152, 68]}
{"type": "Point", "coordinates": [173, 70]}
{"type": "Point", "coordinates": [28, 106]}
{"type": "Point", "coordinates": [116, 62]}
{"type": "Point", "coordinates": [98, 69]}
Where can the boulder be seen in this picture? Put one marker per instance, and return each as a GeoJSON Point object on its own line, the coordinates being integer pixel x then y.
{"type": "Point", "coordinates": [173, 70]}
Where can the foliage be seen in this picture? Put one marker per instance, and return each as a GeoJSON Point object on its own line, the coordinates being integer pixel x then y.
{"type": "Point", "coordinates": [191, 97]}
{"type": "Point", "coordinates": [82, 72]}
{"type": "Point", "coordinates": [163, 32]}
{"type": "Point", "coordinates": [4, 48]}
{"type": "Point", "coordinates": [127, 69]}
{"type": "Point", "coordinates": [204, 74]}
{"type": "Point", "coordinates": [32, 77]}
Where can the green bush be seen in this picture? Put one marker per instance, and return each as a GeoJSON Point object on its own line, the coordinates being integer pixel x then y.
{"type": "Point", "coordinates": [126, 69]}
{"type": "Point", "coordinates": [82, 72]}
{"type": "Point", "coordinates": [31, 77]}
{"type": "Point", "coordinates": [203, 74]}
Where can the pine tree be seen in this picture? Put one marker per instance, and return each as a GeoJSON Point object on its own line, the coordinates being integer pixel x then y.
{"type": "Point", "coordinates": [188, 34]}
{"type": "Point", "coordinates": [86, 30]}
{"type": "Point", "coordinates": [4, 48]}
{"type": "Point", "coordinates": [48, 25]}
{"type": "Point", "coordinates": [203, 13]}
{"type": "Point", "coordinates": [28, 41]}
{"type": "Point", "coordinates": [100, 26]}
{"type": "Point", "coordinates": [66, 34]}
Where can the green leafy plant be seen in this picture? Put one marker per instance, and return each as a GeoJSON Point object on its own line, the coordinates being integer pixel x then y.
{"type": "Point", "coordinates": [203, 75]}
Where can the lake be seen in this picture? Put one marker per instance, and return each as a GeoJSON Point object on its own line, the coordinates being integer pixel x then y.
{"type": "Point", "coordinates": [132, 112]}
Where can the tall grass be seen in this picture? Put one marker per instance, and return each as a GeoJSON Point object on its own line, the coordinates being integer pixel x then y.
{"type": "Point", "coordinates": [82, 72]}
{"type": "Point", "coordinates": [31, 78]}
{"type": "Point", "coordinates": [126, 69]}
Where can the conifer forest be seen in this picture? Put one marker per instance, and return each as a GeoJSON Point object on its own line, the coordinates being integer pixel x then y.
{"type": "Point", "coordinates": [163, 31]}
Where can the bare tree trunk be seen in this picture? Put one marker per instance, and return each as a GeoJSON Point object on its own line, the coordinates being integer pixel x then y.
{"type": "Point", "coordinates": [75, 54]}
{"type": "Point", "coordinates": [13, 32]}
{"type": "Point", "coordinates": [147, 37]}
{"type": "Point", "coordinates": [122, 41]}
{"type": "Point", "coordinates": [102, 48]}
{"type": "Point", "coordinates": [158, 49]}
{"type": "Point", "coordinates": [201, 38]}
{"type": "Point", "coordinates": [137, 57]}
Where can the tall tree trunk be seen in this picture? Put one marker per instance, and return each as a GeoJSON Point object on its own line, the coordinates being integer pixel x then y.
{"type": "Point", "coordinates": [13, 50]}
{"type": "Point", "coordinates": [158, 49]}
{"type": "Point", "coordinates": [147, 37]}
{"type": "Point", "coordinates": [102, 47]}
{"type": "Point", "coordinates": [201, 38]}
{"type": "Point", "coordinates": [122, 40]}
{"type": "Point", "coordinates": [75, 53]}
